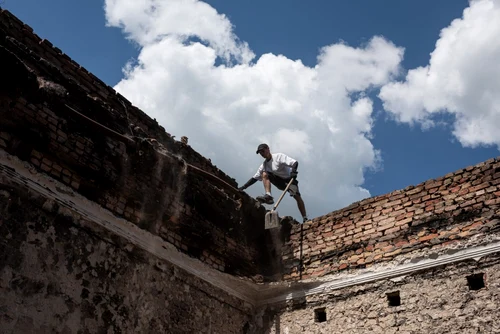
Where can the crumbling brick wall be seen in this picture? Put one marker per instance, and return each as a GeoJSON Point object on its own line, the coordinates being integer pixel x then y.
{"type": "Point", "coordinates": [71, 126]}
{"type": "Point", "coordinates": [438, 213]}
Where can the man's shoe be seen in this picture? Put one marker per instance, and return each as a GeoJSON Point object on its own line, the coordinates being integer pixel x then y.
{"type": "Point", "coordinates": [305, 220]}
{"type": "Point", "coordinates": [268, 199]}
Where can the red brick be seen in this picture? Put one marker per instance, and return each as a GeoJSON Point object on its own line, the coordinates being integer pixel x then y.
{"type": "Point", "coordinates": [339, 231]}
{"type": "Point", "coordinates": [480, 192]}
{"type": "Point", "coordinates": [397, 213]}
{"type": "Point", "coordinates": [450, 207]}
{"type": "Point", "coordinates": [370, 231]}
{"type": "Point", "coordinates": [385, 226]}
{"type": "Point", "coordinates": [428, 237]}
{"type": "Point", "coordinates": [398, 196]}
{"type": "Point", "coordinates": [364, 222]}
{"type": "Point", "coordinates": [386, 211]}
{"type": "Point", "coordinates": [395, 252]}
{"type": "Point", "coordinates": [387, 249]}
{"type": "Point", "coordinates": [379, 218]}
{"type": "Point", "coordinates": [415, 190]}
{"type": "Point", "coordinates": [418, 197]}
{"type": "Point", "coordinates": [381, 245]}
{"type": "Point", "coordinates": [404, 221]}
{"type": "Point", "coordinates": [463, 234]}
{"type": "Point", "coordinates": [491, 189]}
{"type": "Point", "coordinates": [468, 203]}
{"type": "Point", "coordinates": [472, 226]}
{"type": "Point", "coordinates": [430, 185]}
{"type": "Point", "coordinates": [463, 192]}
{"type": "Point", "coordinates": [402, 243]}
{"type": "Point", "coordinates": [492, 201]}
{"type": "Point", "coordinates": [392, 230]}
{"type": "Point", "coordinates": [479, 187]}
{"type": "Point", "coordinates": [401, 217]}
{"type": "Point", "coordinates": [469, 196]}
{"type": "Point", "coordinates": [478, 206]}
{"type": "Point", "coordinates": [392, 203]}
{"type": "Point", "coordinates": [349, 222]}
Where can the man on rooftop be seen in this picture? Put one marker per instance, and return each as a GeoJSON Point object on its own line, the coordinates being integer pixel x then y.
{"type": "Point", "coordinates": [277, 169]}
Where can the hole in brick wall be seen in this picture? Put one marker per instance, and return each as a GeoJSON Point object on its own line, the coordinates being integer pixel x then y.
{"type": "Point", "coordinates": [320, 315]}
{"type": "Point", "coordinates": [475, 281]}
{"type": "Point", "coordinates": [393, 298]}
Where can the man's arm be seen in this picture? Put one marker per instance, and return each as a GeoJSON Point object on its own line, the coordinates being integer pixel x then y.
{"type": "Point", "coordinates": [255, 178]}
{"type": "Point", "coordinates": [248, 184]}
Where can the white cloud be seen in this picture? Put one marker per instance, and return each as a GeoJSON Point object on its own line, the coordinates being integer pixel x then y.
{"type": "Point", "coordinates": [148, 21]}
{"type": "Point", "coordinates": [462, 78]}
{"type": "Point", "coordinates": [318, 115]}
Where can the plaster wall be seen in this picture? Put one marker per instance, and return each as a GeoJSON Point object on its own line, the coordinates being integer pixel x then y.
{"type": "Point", "coordinates": [436, 301]}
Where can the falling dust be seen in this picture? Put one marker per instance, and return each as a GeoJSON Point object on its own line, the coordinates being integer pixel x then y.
{"type": "Point", "coordinates": [179, 184]}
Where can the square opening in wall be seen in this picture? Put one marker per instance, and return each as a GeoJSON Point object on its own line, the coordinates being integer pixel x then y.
{"type": "Point", "coordinates": [393, 298]}
{"type": "Point", "coordinates": [320, 315]}
{"type": "Point", "coordinates": [476, 281]}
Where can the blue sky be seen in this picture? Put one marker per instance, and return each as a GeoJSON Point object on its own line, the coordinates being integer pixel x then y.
{"type": "Point", "coordinates": [409, 153]}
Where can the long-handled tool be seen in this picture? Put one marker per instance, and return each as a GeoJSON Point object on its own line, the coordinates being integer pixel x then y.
{"type": "Point", "coordinates": [272, 218]}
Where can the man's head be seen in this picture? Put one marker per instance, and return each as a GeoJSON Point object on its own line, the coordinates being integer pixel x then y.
{"type": "Point", "coordinates": [263, 150]}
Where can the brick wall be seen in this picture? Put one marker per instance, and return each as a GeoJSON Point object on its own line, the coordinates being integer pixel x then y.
{"type": "Point", "coordinates": [110, 108]}
{"type": "Point", "coordinates": [437, 213]}
{"type": "Point", "coordinates": [70, 125]}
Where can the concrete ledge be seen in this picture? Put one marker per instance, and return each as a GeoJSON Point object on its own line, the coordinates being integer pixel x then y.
{"type": "Point", "coordinates": [466, 254]}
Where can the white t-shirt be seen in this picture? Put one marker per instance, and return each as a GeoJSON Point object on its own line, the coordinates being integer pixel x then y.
{"type": "Point", "coordinates": [280, 165]}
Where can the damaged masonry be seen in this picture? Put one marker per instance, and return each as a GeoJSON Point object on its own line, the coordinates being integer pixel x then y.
{"type": "Point", "coordinates": [111, 225]}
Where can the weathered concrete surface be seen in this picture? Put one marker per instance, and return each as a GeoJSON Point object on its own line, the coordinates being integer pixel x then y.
{"type": "Point", "coordinates": [435, 301]}
{"type": "Point", "coordinates": [61, 273]}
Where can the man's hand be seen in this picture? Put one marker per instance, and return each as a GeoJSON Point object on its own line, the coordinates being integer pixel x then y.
{"type": "Point", "coordinates": [293, 174]}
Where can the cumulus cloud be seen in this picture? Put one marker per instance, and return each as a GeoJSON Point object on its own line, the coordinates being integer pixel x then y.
{"type": "Point", "coordinates": [197, 79]}
{"type": "Point", "coordinates": [149, 21]}
{"type": "Point", "coordinates": [462, 79]}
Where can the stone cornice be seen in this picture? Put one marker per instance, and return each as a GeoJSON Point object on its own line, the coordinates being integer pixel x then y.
{"type": "Point", "coordinates": [474, 253]}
